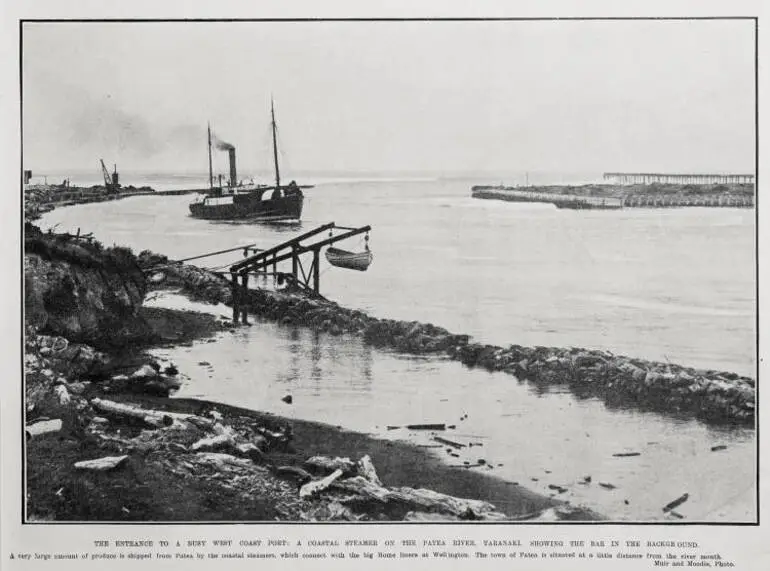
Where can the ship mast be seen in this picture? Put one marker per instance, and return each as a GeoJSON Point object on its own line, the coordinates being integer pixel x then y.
{"type": "Point", "coordinates": [211, 172]}
{"type": "Point", "coordinates": [275, 146]}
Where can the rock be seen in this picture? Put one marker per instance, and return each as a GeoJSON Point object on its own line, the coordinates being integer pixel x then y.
{"type": "Point", "coordinates": [43, 427]}
{"type": "Point", "coordinates": [102, 464]}
{"type": "Point", "coordinates": [144, 372]}
{"type": "Point", "coordinates": [78, 388]}
{"type": "Point", "coordinates": [251, 451]}
{"type": "Point", "coordinates": [288, 399]}
{"type": "Point", "coordinates": [63, 395]}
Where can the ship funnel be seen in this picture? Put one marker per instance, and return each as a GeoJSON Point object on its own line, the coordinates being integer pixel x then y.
{"type": "Point", "coordinates": [233, 172]}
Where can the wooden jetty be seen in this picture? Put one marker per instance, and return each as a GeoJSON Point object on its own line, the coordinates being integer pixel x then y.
{"type": "Point", "coordinates": [265, 260]}
{"type": "Point", "coordinates": [676, 178]}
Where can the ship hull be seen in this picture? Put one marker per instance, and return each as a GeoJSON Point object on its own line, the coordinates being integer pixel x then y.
{"type": "Point", "coordinates": [251, 207]}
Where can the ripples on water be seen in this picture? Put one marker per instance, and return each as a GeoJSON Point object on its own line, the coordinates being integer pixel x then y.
{"type": "Point", "coordinates": [669, 285]}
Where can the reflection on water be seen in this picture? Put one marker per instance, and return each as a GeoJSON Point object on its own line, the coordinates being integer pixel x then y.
{"type": "Point", "coordinates": [657, 284]}
{"type": "Point", "coordinates": [533, 435]}
{"type": "Point", "coordinates": [673, 285]}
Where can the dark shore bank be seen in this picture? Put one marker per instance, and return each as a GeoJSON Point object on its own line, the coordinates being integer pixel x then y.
{"type": "Point", "coordinates": [39, 199]}
{"type": "Point", "coordinates": [106, 443]}
{"type": "Point", "coordinates": [714, 397]}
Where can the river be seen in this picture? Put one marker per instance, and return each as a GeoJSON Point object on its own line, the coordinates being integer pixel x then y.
{"type": "Point", "coordinates": [674, 285]}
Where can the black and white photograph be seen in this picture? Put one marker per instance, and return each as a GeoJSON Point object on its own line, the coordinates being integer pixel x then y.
{"type": "Point", "coordinates": [460, 271]}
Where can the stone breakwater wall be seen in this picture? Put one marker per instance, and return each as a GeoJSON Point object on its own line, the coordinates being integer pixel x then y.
{"type": "Point", "coordinates": [654, 195]}
{"type": "Point", "coordinates": [712, 396]}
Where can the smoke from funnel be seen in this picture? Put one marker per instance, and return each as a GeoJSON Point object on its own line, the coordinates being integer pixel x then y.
{"type": "Point", "coordinates": [219, 144]}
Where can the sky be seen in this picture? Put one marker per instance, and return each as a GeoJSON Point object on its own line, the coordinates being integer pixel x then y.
{"type": "Point", "coordinates": [439, 97]}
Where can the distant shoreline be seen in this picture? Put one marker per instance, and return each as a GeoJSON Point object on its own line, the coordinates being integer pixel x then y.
{"type": "Point", "coordinates": [615, 196]}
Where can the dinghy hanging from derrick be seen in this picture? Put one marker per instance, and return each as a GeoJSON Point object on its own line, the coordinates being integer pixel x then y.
{"type": "Point", "coordinates": [265, 262]}
{"type": "Point", "coordinates": [340, 258]}
{"type": "Point", "coordinates": [349, 260]}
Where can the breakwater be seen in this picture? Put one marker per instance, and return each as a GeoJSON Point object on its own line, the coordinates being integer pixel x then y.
{"type": "Point", "coordinates": [560, 200]}
{"type": "Point", "coordinates": [39, 199]}
{"type": "Point", "coordinates": [712, 396]}
{"type": "Point", "coordinates": [613, 196]}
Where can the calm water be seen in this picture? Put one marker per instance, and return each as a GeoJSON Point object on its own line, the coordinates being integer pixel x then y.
{"type": "Point", "coordinates": [669, 285]}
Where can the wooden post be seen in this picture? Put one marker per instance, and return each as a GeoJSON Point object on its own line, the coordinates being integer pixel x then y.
{"type": "Point", "coordinates": [294, 262]}
{"type": "Point", "coordinates": [275, 267]}
{"type": "Point", "coordinates": [316, 269]}
{"type": "Point", "coordinates": [236, 309]}
{"type": "Point", "coordinates": [245, 293]}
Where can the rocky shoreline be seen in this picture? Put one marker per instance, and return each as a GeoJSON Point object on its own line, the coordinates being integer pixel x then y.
{"type": "Point", "coordinates": [104, 442]}
{"type": "Point", "coordinates": [40, 199]}
{"type": "Point", "coordinates": [714, 397]}
{"type": "Point", "coordinates": [103, 446]}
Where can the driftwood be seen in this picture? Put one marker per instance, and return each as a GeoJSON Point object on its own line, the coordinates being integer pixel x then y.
{"type": "Point", "coordinates": [429, 517]}
{"type": "Point", "coordinates": [101, 464]}
{"type": "Point", "coordinates": [221, 461]}
{"type": "Point", "coordinates": [250, 450]}
{"type": "Point", "coordinates": [626, 454]}
{"type": "Point", "coordinates": [294, 472]}
{"type": "Point", "coordinates": [451, 443]}
{"type": "Point", "coordinates": [420, 500]}
{"type": "Point", "coordinates": [43, 427]}
{"type": "Point", "coordinates": [317, 486]}
{"type": "Point", "coordinates": [200, 422]}
{"type": "Point", "coordinates": [428, 500]}
{"type": "Point", "coordinates": [719, 447]}
{"type": "Point", "coordinates": [366, 469]}
{"type": "Point", "coordinates": [156, 418]}
{"type": "Point", "coordinates": [363, 487]}
{"type": "Point", "coordinates": [214, 443]}
{"type": "Point", "coordinates": [272, 438]}
{"type": "Point", "coordinates": [676, 503]}
{"type": "Point", "coordinates": [327, 465]}
{"type": "Point", "coordinates": [148, 417]}
{"type": "Point", "coordinates": [426, 426]}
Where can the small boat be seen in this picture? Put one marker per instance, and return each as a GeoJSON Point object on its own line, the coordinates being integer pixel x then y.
{"type": "Point", "coordinates": [254, 202]}
{"type": "Point", "coordinates": [350, 260]}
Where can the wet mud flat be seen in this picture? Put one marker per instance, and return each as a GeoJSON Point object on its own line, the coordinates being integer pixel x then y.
{"type": "Point", "coordinates": [714, 397]}
{"type": "Point", "coordinates": [106, 443]}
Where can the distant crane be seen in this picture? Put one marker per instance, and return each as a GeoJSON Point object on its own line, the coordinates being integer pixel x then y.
{"type": "Point", "coordinates": [111, 181]}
